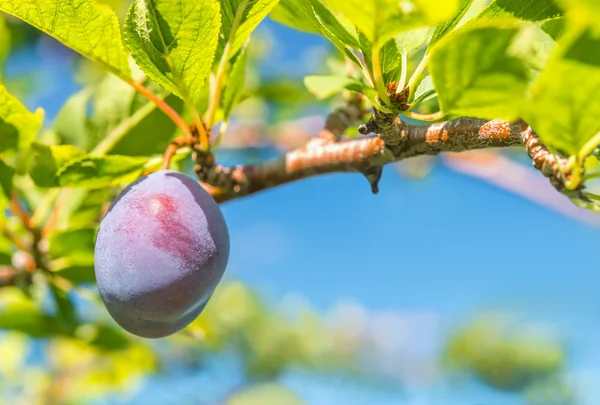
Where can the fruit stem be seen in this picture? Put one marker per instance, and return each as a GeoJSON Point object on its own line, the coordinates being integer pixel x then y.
{"type": "Point", "coordinates": [172, 149]}
{"type": "Point", "coordinates": [164, 107]}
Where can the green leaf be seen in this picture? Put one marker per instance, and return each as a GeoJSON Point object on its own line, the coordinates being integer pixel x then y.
{"type": "Point", "coordinates": [412, 40]}
{"type": "Point", "coordinates": [554, 27]}
{"type": "Point", "coordinates": [93, 172]}
{"type": "Point", "coordinates": [389, 55]}
{"type": "Point", "coordinates": [582, 12]}
{"type": "Point", "coordinates": [235, 85]}
{"type": "Point", "coordinates": [47, 160]}
{"type": "Point", "coordinates": [312, 16]}
{"type": "Point", "coordinates": [71, 123]}
{"type": "Point", "coordinates": [425, 91]}
{"type": "Point", "coordinates": [6, 178]}
{"type": "Point", "coordinates": [65, 310]}
{"type": "Point", "coordinates": [4, 42]}
{"type": "Point", "coordinates": [563, 107]}
{"type": "Point", "coordinates": [78, 274]}
{"type": "Point", "coordinates": [252, 12]}
{"type": "Point", "coordinates": [531, 10]}
{"type": "Point", "coordinates": [174, 42]}
{"type": "Point", "coordinates": [448, 25]}
{"type": "Point", "coordinates": [85, 26]}
{"type": "Point", "coordinates": [148, 131]}
{"type": "Point", "coordinates": [475, 74]}
{"type": "Point", "coordinates": [264, 394]}
{"type": "Point", "coordinates": [18, 313]}
{"type": "Point", "coordinates": [286, 13]}
{"type": "Point", "coordinates": [77, 245]}
{"type": "Point", "coordinates": [381, 20]}
{"type": "Point", "coordinates": [18, 125]}
{"type": "Point", "coordinates": [326, 86]}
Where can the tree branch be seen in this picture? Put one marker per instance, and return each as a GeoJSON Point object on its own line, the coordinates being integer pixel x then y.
{"type": "Point", "coordinates": [392, 140]}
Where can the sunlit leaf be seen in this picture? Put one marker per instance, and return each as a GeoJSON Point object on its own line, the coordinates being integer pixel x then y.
{"type": "Point", "coordinates": [531, 10]}
{"type": "Point", "coordinates": [566, 119]}
{"type": "Point", "coordinates": [47, 160]}
{"type": "Point", "coordinates": [449, 24]}
{"type": "Point", "coordinates": [18, 125]}
{"type": "Point", "coordinates": [174, 42]}
{"type": "Point", "coordinates": [412, 40]}
{"type": "Point", "coordinates": [475, 74]}
{"type": "Point", "coordinates": [313, 16]}
{"type": "Point", "coordinates": [381, 20]}
{"type": "Point", "coordinates": [425, 91]}
{"type": "Point", "coordinates": [235, 85]}
{"type": "Point", "coordinates": [87, 27]}
{"type": "Point", "coordinates": [326, 86]}
{"type": "Point", "coordinates": [251, 13]}
{"type": "Point", "coordinates": [95, 172]}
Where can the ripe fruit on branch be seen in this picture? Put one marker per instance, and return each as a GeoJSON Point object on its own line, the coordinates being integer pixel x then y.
{"type": "Point", "coordinates": [161, 250]}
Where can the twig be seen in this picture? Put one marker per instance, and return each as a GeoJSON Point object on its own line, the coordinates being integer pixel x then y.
{"type": "Point", "coordinates": [395, 141]}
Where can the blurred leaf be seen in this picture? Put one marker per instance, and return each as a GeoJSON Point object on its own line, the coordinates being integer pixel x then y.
{"type": "Point", "coordinates": [264, 394]}
{"type": "Point", "coordinates": [326, 86]}
{"type": "Point", "coordinates": [287, 14]}
{"type": "Point", "coordinates": [531, 10]}
{"type": "Point", "coordinates": [490, 85]}
{"type": "Point", "coordinates": [109, 338]}
{"type": "Point", "coordinates": [148, 131]}
{"type": "Point", "coordinates": [48, 160]}
{"type": "Point", "coordinates": [6, 177]}
{"type": "Point", "coordinates": [448, 25]}
{"type": "Point", "coordinates": [554, 27]}
{"type": "Point", "coordinates": [71, 122]}
{"type": "Point", "coordinates": [252, 12]}
{"type": "Point", "coordinates": [411, 40]}
{"type": "Point", "coordinates": [87, 27]}
{"type": "Point", "coordinates": [75, 244]}
{"type": "Point", "coordinates": [235, 85]}
{"type": "Point", "coordinates": [425, 91]}
{"type": "Point", "coordinates": [18, 126]}
{"type": "Point", "coordinates": [78, 274]}
{"type": "Point", "coordinates": [14, 349]}
{"type": "Point", "coordinates": [18, 313]}
{"type": "Point", "coordinates": [301, 14]}
{"type": "Point", "coordinates": [4, 42]}
{"type": "Point", "coordinates": [174, 42]}
{"type": "Point", "coordinates": [582, 12]}
{"type": "Point", "coordinates": [65, 309]}
{"type": "Point", "coordinates": [381, 20]}
{"type": "Point", "coordinates": [100, 171]}
{"type": "Point", "coordinates": [567, 119]}
{"type": "Point", "coordinates": [504, 354]}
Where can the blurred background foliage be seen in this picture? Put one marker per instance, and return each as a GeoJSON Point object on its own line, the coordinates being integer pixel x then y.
{"type": "Point", "coordinates": [59, 347]}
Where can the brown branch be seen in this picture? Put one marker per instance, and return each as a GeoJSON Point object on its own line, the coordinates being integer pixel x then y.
{"type": "Point", "coordinates": [392, 140]}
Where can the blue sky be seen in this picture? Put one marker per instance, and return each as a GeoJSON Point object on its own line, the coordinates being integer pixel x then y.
{"type": "Point", "coordinates": [448, 245]}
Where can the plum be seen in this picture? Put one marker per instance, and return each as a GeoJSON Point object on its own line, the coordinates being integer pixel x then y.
{"type": "Point", "coordinates": [160, 252]}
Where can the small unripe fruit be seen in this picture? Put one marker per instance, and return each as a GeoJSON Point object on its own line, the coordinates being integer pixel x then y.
{"type": "Point", "coordinates": [161, 250]}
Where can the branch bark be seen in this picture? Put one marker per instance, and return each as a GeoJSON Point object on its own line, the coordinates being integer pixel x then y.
{"type": "Point", "coordinates": [390, 140]}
